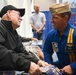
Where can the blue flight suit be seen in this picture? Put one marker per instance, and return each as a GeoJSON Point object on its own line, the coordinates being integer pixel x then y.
{"type": "Point", "coordinates": [66, 50]}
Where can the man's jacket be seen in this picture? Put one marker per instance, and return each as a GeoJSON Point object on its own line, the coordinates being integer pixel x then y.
{"type": "Point", "coordinates": [13, 55]}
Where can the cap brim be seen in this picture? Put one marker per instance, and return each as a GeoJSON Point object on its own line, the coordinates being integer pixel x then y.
{"type": "Point", "coordinates": [22, 11]}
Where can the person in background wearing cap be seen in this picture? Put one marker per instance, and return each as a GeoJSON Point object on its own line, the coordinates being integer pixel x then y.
{"type": "Point", "coordinates": [61, 39]}
{"type": "Point", "coordinates": [13, 56]}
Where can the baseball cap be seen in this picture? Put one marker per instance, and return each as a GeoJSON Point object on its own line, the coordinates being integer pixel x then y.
{"type": "Point", "coordinates": [58, 8]}
{"type": "Point", "coordinates": [11, 7]}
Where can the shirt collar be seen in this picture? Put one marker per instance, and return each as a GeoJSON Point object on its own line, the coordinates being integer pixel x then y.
{"type": "Point", "coordinates": [65, 32]}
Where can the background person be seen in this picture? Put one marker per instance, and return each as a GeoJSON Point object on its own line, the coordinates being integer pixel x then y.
{"type": "Point", "coordinates": [62, 40]}
{"type": "Point", "coordinates": [38, 21]}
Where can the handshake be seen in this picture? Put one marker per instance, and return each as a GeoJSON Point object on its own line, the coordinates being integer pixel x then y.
{"type": "Point", "coordinates": [50, 70]}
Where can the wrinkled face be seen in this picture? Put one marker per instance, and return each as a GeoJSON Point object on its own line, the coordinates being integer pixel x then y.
{"type": "Point", "coordinates": [58, 21]}
{"type": "Point", "coordinates": [15, 18]}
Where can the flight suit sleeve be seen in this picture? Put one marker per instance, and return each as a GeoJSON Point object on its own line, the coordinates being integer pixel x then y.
{"type": "Point", "coordinates": [73, 66]}
{"type": "Point", "coordinates": [47, 50]}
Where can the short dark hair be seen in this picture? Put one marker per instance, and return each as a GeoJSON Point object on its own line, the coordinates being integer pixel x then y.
{"type": "Point", "coordinates": [66, 13]}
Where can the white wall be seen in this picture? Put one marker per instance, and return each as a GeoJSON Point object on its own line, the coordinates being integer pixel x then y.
{"type": "Point", "coordinates": [44, 4]}
{"type": "Point", "coordinates": [25, 28]}
{"type": "Point", "coordinates": [2, 3]}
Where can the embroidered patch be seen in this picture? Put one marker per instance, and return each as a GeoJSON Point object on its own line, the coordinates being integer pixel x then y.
{"type": "Point", "coordinates": [55, 46]}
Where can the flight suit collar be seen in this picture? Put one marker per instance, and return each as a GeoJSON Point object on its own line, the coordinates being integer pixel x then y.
{"type": "Point", "coordinates": [65, 32]}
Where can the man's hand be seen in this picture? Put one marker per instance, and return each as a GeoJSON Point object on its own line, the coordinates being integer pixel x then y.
{"type": "Point", "coordinates": [34, 39]}
{"type": "Point", "coordinates": [67, 69]}
{"type": "Point", "coordinates": [39, 31]}
{"type": "Point", "coordinates": [42, 63]}
{"type": "Point", "coordinates": [34, 69]}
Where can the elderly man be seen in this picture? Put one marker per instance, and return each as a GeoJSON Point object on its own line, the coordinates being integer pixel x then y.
{"type": "Point", "coordinates": [62, 40]}
{"type": "Point", "coordinates": [13, 56]}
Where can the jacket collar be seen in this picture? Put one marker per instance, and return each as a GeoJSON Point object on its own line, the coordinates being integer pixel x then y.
{"type": "Point", "coordinates": [7, 24]}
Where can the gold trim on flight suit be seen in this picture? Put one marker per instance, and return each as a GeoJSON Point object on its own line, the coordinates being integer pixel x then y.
{"type": "Point", "coordinates": [70, 43]}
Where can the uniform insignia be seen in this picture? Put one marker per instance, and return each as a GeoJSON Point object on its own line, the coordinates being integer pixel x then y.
{"type": "Point", "coordinates": [55, 46]}
{"type": "Point", "coordinates": [69, 44]}
{"type": "Point", "coordinates": [69, 47]}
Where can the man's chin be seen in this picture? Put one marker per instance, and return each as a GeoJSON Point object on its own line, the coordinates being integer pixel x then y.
{"type": "Point", "coordinates": [18, 25]}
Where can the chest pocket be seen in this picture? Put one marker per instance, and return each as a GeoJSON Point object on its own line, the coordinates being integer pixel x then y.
{"type": "Point", "coordinates": [69, 46]}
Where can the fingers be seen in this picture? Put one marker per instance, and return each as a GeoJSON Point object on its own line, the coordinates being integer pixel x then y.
{"type": "Point", "coordinates": [34, 69]}
{"type": "Point", "coordinates": [38, 71]}
{"type": "Point", "coordinates": [67, 69]}
{"type": "Point", "coordinates": [42, 63]}
{"type": "Point", "coordinates": [63, 71]}
{"type": "Point", "coordinates": [45, 64]}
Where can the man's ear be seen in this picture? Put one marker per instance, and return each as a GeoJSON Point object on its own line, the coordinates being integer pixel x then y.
{"type": "Point", "coordinates": [66, 17]}
{"type": "Point", "coordinates": [9, 14]}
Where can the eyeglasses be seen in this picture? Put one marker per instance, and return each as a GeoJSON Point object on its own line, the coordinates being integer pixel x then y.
{"type": "Point", "coordinates": [16, 13]}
